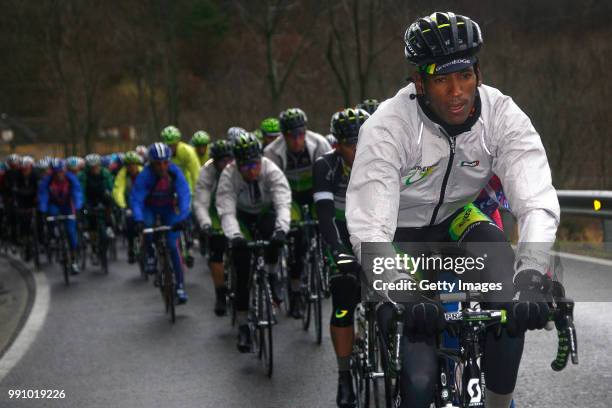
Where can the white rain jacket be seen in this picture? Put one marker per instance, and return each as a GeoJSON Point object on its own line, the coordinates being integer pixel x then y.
{"type": "Point", "coordinates": [316, 145]}
{"type": "Point", "coordinates": [403, 157]}
{"type": "Point", "coordinates": [233, 193]}
{"type": "Point", "coordinates": [204, 191]}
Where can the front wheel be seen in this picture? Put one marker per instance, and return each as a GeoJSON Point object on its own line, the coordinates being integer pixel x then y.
{"type": "Point", "coordinates": [305, 294]}
{"type": "Point", "coordinates": [317, 295]}
{"type": "Point", "coordinates": [265, 328]}
{"type": "Point", "coordinates": [103, 251]}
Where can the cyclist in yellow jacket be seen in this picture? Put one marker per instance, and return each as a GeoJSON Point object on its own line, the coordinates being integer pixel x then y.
{"type": "Point", "coordinates": [186, 158]}
{"type": "Point", "coordinates": [183, 155]}
{"type": "Point", "coordinates": [121, 194]}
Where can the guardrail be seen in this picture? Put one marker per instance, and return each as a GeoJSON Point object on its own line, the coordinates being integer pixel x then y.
{"type": "Point", "coordinates": [594, 203]}
{"type": "Point", "coordinates": [590, 203]}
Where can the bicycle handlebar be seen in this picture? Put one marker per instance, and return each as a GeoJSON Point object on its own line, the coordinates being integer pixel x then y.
{"type": "Point", "coordinates": [60, 217]}
{"type": "Point", "coordinates": [562, 314]}
{"type": "Point", "coordinates": [260, 243]}
{"type": "Point", "coordinates": [152, 230]}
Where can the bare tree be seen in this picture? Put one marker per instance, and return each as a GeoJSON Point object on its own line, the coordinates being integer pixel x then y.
{"type": "Point", "coordinates": [352, 47]}
{"type": "Point", "coordinates": [269, 21]}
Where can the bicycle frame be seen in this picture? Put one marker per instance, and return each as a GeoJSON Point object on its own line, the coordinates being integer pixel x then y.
{"type": "Point", "coordinates": [63, 240]}
{"type": "Point", "coordinates": [165, 271]}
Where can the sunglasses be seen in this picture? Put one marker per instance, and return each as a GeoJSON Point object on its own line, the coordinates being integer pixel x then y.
{"type": "Point", "coordinates": [250, 165]}
{"type": "Point", "coordinates": [295, 133]}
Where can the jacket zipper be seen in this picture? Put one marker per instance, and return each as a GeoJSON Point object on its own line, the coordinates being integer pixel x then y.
{"type": "Point", "coordinates": [451, 142]}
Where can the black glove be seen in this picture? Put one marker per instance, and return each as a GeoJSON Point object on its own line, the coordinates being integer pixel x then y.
{"type": "Point", "coordinates": [530, 310]}
{"type": "Point", "coordinates": [206, 230]}
{"type": "Point", "coordinates": [139, 227]}
{"type": "Point", "coordinates": [239, 242]}
{"type": "Point", "coordinates": [347, 264]}
{"type": "Point", "coordinates": [422, 316]}
{"type": "Point", "coordinates": [278, 238]}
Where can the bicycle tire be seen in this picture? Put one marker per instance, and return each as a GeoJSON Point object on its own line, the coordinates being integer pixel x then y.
{"type": "Point", "coordinates": [65, 267]}
{"type": "Point", "coordinates": [317, 303]}
{"type": "Point", "coordinates": [34, 239]}
{"type": "Point", "coordinates": [168, 295]}
{"type": "Point", "coordinates": [390, 384]}
{"type": "Point", "coordinates": [374, 364]}
{"type": "Point", "coordinates": [167, 284]}
{"type": "Point", "coordinates": [265, 331]}
{"type": "Point", "coordinates": [305, 294]}
{"type": "Point", "coordinates": [103, 249]}
{"type": "Point", "coordinates": [284, 281]}
{"type": "Point", "coordinates": [357, 374]}
{"type": "Point", "coordinates": [113, 249]}
{"type": "Point", "coordinates": [230, 279]}
{"type": "Point", "coordinates": [49, 253]}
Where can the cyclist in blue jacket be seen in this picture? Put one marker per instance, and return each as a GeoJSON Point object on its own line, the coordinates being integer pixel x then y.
{"type": "Point", "coordinates": [161, 191]}
{"type": "Point", "coordinates": [60, 193]}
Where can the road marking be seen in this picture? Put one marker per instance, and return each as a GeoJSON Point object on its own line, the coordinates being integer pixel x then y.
{"type": "Point", "coordinates": [32, 326]}
{"type": "Point", "coordinates": [583, 258]}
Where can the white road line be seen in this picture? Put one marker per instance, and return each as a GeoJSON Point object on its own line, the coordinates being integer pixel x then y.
{"type": "Point", "coordinates": [583, 258]}
{"type": "Point", "coordinates": [30, 329]}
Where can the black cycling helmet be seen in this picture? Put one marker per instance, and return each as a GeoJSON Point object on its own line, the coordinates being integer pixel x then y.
{"type": "Point", "coordinates": [440, 39]}
{"type": "Point", "coordinates": [291, 119]}
{"type": "Point", "coordinates": [220, 149]}
{"type": "Point", "coordinates": [246, 147]}
{"type": "Point", "coordinates": [345, 124]}
{"type": "Point", "coordinates": [368, 105]}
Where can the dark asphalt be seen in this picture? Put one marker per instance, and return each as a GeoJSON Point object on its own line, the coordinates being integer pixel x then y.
{"type": "Point", "coordinates": [107, 342]}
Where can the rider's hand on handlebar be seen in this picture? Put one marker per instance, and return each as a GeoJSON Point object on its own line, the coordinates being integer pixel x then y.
{"type": "Point", "coordinates": [206, 229]}
{"type": "Point", "coordinates": [239, 242]}
{"type": "Point", "coordinates": [279, 238]}
{"type": "Point", "coordinates": [530, 310]}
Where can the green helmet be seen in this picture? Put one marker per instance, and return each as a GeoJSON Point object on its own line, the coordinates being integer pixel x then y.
{"type": "Point", "coordinates": [132, 157]}
{"type": "Point", "coordinates": [200, 138]}
{"type": "Point", "coordinates": [171, 135]}
{"type": "Point", "coordinates": [246, 147]}
{"type": "Point", "coordinates": [291, 119]}
{"type": "Point", "coordinates": [270, 127]}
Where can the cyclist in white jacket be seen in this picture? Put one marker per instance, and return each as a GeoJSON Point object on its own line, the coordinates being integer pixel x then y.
{"type": "Point", "coordinates": [429, 151]}
{"type": "Point", "coordinates": [221, 153]}
{"type": "Point", "coordinates": [253, 199]}
{"type": "Point", "coordinates": [295, 153]}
